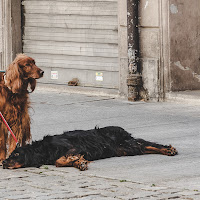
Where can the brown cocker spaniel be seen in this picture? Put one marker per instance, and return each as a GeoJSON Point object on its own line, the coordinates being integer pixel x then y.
{"type": "Point", "coordinates": [14, 101]}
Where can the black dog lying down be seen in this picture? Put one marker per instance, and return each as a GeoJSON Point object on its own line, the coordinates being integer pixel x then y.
{"type": "Point", "coordinates": [69, 148]}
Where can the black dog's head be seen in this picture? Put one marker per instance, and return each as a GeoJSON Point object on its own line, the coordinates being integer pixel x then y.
{"type": "Point", "coordinates": [15, 160]}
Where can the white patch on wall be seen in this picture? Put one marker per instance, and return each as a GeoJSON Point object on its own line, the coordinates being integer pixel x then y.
{"type": "Point", "coordinates": [146, 4]}
{"type": "Point", "coordinates": [150, 77]}
{"type": "Point", "coordinates": [195, 75]}
{"type": "Point", "coordinates": [173, 9]}
{"type": "Point", "coordinates": [180, 66]}
{"type": "Point", "coordinates": [54, 74]}
{"type": "Point", "coordinates": [99, 76]}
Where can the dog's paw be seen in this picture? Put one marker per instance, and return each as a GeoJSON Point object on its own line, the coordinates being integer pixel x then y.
{"type": "Point", "coordinates": [83, 166]}
{"type": "Point", "coordinates": [171, 151]}
{"type": "Point", "coordinates": [81, 163]}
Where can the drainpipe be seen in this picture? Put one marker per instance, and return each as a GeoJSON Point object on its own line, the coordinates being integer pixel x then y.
{"type": "Point", "coordinates": [134, 79]}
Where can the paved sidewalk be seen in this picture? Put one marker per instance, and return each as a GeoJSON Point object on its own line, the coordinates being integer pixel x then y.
{"type": "Point", "coordinates": [139, 177]}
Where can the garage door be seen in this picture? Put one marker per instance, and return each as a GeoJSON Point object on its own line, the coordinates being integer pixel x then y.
{"type": "Point", "coordinates": [73, 39]}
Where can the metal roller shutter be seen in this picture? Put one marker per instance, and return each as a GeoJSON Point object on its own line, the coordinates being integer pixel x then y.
{"type": "Point", "coordinates": [76, 38]}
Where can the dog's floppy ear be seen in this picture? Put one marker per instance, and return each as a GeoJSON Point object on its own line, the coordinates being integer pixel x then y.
{"type": "Point", "coordinates": [13, 80]}
{"type": "Point", "coordinates": [32, 83]}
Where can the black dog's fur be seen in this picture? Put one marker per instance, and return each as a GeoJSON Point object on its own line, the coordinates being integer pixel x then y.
{"type": "Point", "coordinates": [94, 144]}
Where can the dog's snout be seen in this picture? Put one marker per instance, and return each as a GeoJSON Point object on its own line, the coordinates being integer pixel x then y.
{"type": "Point", "coordinates": [41, 72]}
{"type": "Point", "coordinates": [4, 162]}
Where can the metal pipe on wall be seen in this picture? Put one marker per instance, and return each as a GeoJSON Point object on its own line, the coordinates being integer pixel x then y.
{"type": "Point", "coordinates": [134, 79]}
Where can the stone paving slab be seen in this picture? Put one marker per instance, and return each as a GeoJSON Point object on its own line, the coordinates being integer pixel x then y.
{"type": "Point", "coordinates": [126, 178]}
{"type": "Point", "coordinates": [49, 182]}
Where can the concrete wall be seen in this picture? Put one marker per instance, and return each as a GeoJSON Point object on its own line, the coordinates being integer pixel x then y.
{"type": "Point", "coordinates": [11, 41]}
{"type": "Point", "coordinates": [123, 47]}
{"type": "Point", "coordinates": [76, 39]}
{"type": "Point", "coordinates": [169, 37]}
{"type": "Point", "coordinates": [10, 31]}
{"type": "Point", "coordinates": [149, 12]}
{"type": "Point", "coordinates": [184, 25]}
{"type": "Point", "coordinates": [1, 33]}
{"type": "Point", "coordinates": [169, 43]}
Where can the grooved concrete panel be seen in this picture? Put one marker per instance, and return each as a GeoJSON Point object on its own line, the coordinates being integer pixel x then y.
{"type": "Point", "coordinates": [87, 78]}
{"type": "Point", "coordinates": [75, 38]}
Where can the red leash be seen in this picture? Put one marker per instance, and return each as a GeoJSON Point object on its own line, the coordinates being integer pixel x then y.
{"type": "Point", "coordinates": [5, 122]}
